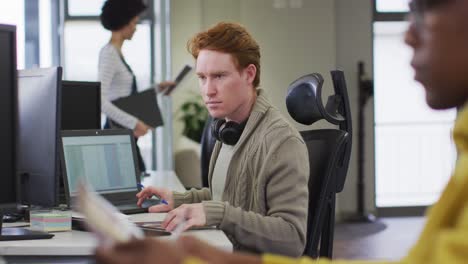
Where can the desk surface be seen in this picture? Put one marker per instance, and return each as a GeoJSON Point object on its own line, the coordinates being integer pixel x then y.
{"type": "Point", "coordinates": [166, 179]}
{"type": "Point", "coordinates": [79, 243]}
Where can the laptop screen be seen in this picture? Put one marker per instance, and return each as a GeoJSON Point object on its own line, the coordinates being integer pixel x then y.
{"type": "Point", "coordinates": [106, 162]}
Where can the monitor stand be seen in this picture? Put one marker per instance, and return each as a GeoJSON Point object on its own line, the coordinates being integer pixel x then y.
{"type": "Point", "coordinates": [19, 233]}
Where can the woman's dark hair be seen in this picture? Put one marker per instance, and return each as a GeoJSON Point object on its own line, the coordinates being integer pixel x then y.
{"type": "Point", "coordinates": [422, 6]}
{"type": "Point", "coordinates": [118, 13]}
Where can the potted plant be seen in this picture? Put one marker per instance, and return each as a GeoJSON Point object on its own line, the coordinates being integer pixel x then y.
{"type": "Point", "coordinates": [194, 115]}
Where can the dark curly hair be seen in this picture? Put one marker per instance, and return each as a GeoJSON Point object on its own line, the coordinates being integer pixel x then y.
{"type": "Point", "coordinates": [118, 13]}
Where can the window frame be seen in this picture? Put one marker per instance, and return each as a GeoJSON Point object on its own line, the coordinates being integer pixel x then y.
{"type": "Point", "coordinates": [148, 15]}
{"type": "Point", "coordinates": [387, 16]}
{"type": "Point", "coordinates": [393, 211]}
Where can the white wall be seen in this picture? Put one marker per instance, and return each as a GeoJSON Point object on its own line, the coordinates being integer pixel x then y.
{"type": "Point", "coordinates": [185, 21]}
{"type": "Point", "coordinates": [293, 41]}
{"type": "Point", "coordinates": [318, 37]}
{"type": "Point", "coordinates": [354, 43]}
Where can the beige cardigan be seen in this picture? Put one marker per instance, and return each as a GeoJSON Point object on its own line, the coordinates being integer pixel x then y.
{"type": "Point", "coordinates": [266, 195]}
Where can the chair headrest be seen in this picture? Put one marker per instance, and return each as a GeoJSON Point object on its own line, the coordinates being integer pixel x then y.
{"type": "Point", "coordinates": [304, 104]}
{"type": "Point", "coordinates": [304, 101]}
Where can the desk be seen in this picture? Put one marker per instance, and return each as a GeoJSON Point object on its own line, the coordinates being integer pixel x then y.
{"type": "Point", "coordinates": [167, 179]}
{"type": "Point", "coordinates": [78, 246]}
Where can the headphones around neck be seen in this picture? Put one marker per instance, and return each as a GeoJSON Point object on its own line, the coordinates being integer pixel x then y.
{"type": "Point", "coordinates": [227, 132]}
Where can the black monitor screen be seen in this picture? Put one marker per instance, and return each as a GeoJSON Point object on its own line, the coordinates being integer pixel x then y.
{"type": "Point", "coordinates": [38, 132]}
{"type": "Point", "coordinates": [8, 189]}
{"type": "Point", "coordinates": [8, 134]}
{"type": "Point", "coordinates": [81, 105]}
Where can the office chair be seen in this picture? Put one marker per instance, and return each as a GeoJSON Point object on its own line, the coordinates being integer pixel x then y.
{"type": "Point", "coordinates": [329, 153]}
{"type": "Point", "coordinates": [207, 146]}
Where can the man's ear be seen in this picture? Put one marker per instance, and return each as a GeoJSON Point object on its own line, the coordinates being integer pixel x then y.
{"type": "Point", "coordinates": [250, 72]}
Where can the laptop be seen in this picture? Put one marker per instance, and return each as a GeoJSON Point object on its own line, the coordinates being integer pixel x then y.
{"type": "Point", "coordinates": [106, 160]}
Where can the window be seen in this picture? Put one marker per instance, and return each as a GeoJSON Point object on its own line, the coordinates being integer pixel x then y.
{"type": "Point", "coordinates": [414, 152]}
{"type": "Point", "coordinates": [12, 13]}
{"type": "Point", "coordinates": [46, 54]}
{"type": "Point", "coordinates": [84, 37]}
{"type": "Point", "coordinates": [389, 6]}
{"type": "Point", "coordinates": [81, 57]}
{"type": "Point", "coordinates": [33, 31]}
{"type": "Point", "coordinates": [82, 8]}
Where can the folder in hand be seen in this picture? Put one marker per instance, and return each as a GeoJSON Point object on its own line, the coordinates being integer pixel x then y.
{"type": "Point", "coordinates": [142, 105]}
{"type": "Point", "coordinates": [182, 74]}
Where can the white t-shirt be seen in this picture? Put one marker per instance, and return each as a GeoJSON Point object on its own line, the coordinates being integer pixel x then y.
{"type": "Point", "coordinates": [220, 171]}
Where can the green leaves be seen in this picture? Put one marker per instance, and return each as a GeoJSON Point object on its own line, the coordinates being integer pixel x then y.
{"type": "Point", "coordinates": [194, 115]}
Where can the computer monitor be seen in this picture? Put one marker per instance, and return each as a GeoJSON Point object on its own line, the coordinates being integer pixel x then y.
{"type": "Point", "coordinates": [81, 105]}
{"type": "Point", "coordinates": [39, 105]}
{"type": "Point", "coordinates": [8, 119]}
{"type": "Point", "coordinates": [8, 191]}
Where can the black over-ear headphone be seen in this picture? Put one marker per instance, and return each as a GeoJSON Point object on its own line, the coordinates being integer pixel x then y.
{"type": "Point", "coordinates": [227, 132]}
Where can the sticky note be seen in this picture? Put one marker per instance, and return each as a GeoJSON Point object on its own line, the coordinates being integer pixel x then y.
{"type": "Point", "coordinates": [50, 221]}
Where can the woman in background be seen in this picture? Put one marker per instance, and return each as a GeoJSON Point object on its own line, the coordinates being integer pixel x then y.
{"type": "Point", "coordinates": [116, 77]}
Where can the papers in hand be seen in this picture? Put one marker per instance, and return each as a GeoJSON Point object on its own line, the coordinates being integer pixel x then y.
{"type": "Point", "coordinates": [103, 219]}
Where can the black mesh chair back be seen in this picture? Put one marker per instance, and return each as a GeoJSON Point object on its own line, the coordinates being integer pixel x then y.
{"type": "Point", "coordinates": [207, 146]}
{"type": "Point", "coordinates": [326, 148]}
{"type": "Point", "coordinates": [329, 153]}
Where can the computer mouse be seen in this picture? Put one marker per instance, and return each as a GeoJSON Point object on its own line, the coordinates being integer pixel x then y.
{"type": "Point", "coordinates": [150, 202]}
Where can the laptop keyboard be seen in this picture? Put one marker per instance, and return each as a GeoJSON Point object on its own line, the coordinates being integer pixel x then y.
{"type": "Point", "coordinates": [130, 208]}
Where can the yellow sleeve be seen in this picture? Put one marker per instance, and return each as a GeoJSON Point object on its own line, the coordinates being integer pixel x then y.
{"type": "Point", "coordinates": [452, 247]}
{"type": "Point", "coordinates": [273, 259]}
{"type": "Point", "coordinates": [193, 260]}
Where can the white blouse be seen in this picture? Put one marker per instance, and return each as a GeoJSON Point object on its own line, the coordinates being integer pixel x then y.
{"type": "Point", "coordinates": [116, 81]}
